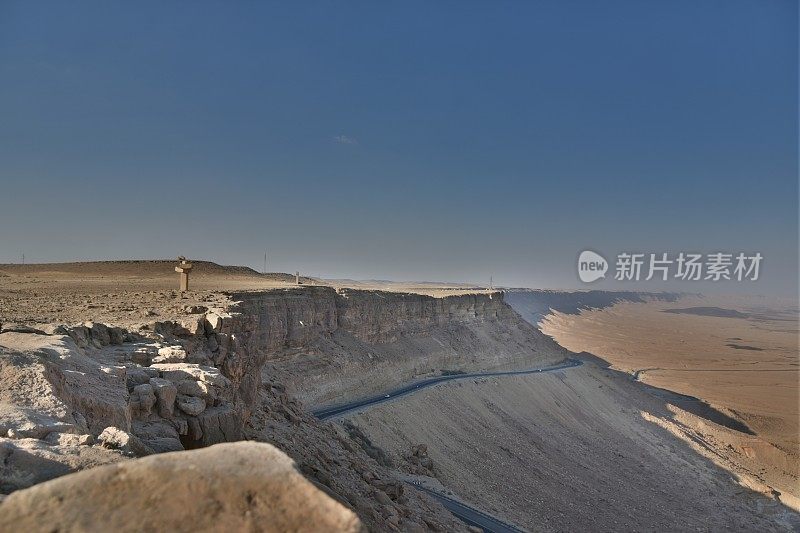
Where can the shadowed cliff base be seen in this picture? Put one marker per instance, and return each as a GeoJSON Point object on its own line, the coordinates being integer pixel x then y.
{"type": "Point", "coordinates": [534, 304]}
{"type": "Point", "coordinates": [708, 311]}
{"type": "Point", "coordinates": [688, 403]}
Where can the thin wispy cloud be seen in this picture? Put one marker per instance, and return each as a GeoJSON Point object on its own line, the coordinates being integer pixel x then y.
{"type": "Point", "coordinates": [344, 139]}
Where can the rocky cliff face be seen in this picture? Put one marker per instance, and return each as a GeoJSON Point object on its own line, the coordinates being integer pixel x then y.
{"type": "Point", "coordinates": [330, 346]}
{"type": "Point", "coordinates": [379, 318]}
{"type": "Point", "coordinates": [295, 318]}
{"type": "Point", "coordinates": [74, 397]}
{"type": "Point", "coordinates": [195, 382]}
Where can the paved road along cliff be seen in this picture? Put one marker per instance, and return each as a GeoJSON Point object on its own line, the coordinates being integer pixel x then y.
{"type": "Point", "coordinates": [339, 410]}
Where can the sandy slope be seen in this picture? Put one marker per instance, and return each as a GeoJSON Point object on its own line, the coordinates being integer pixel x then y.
{"type": "Point", "coordinates": [744, 364]}
{"type": "Point", "coordinates": [581, 449]}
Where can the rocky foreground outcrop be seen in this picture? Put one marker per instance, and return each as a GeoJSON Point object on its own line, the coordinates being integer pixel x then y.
{"type": "Point", "coordinates": [244, 486]}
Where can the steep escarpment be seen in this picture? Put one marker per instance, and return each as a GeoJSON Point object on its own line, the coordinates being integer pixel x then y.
{"type": "Point", "coordinates": [195, 382]}
{"type": "Point", "coordinates": [329, 346]}
{"type": "Point", "coordinates": [77, 396]}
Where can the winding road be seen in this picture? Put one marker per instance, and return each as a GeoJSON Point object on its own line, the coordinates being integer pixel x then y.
{"type": "Point", "coordinates": [470, 515]}
{"type": "Point", "coordinates": [326, 413]}
{"type": "Point", "coordinates": [467, 514]}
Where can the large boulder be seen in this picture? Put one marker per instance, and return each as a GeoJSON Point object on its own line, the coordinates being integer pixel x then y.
{"type": "Point", "coordinates": [244, 486]}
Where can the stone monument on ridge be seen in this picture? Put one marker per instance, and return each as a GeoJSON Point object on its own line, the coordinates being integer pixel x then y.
{"type": "Point", "coordinates": [183, 269]}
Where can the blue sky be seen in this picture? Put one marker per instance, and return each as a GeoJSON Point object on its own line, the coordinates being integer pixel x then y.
{"type": "Point", "coordinates": [438, 141]}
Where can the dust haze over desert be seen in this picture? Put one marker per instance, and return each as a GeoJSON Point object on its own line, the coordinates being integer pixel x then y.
{"type": "Point", "coordinates": [414, 267]}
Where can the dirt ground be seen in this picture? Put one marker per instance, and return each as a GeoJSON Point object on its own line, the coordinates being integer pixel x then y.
{"type": "Point", "coordinates": [120, 292]}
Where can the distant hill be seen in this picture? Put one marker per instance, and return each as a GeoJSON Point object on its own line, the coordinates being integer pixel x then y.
{"type": "Point", "coordinates": [155, 268]}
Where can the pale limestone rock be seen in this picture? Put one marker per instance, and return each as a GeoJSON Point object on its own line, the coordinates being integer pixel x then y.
{"type": "Point", "coordinates": [137, 376]}
{"type": "Point", "coordinates": [116, 439]}
{"type": "Point", "coordinates": [191, 405]}
{"type": "Point", "coordinates": [27, 461]}
{"type": "Point", "coordinates": [68, 439]}
{"type": "Point", "coordinates": [214, 320]}
{"type": "Point", "coordinates": [165, 393]}
{"type": "Point", "coordinates": [170, 354]}
{"type": "Point", "coordinates": [195, 326]}
{"type": "Point", "coordinates": [49, 376]}
{"type": "Point", "coordinates": [179, 371]}
{"type": "Point", "coordinates": [218, 424]}
{"type": "Point", "coordinates": [143, 399]}
{"type": "Point", "coordinates": [21, 423]}
{"type": "Point", "coordinates": [255, 487]}
{"type": "Point", "coordinates": [200, 389]}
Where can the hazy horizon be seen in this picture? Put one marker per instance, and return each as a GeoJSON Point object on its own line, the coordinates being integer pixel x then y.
{"type": "Point", "coordinates": [403, 142]}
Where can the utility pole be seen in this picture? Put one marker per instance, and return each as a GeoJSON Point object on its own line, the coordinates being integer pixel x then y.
{"type": "Point", "coordinates": [491, 283]}
{"type": "Point", "coordinates": [265, 262]}
{"type": "Point", "coordinates": [23, 259]}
